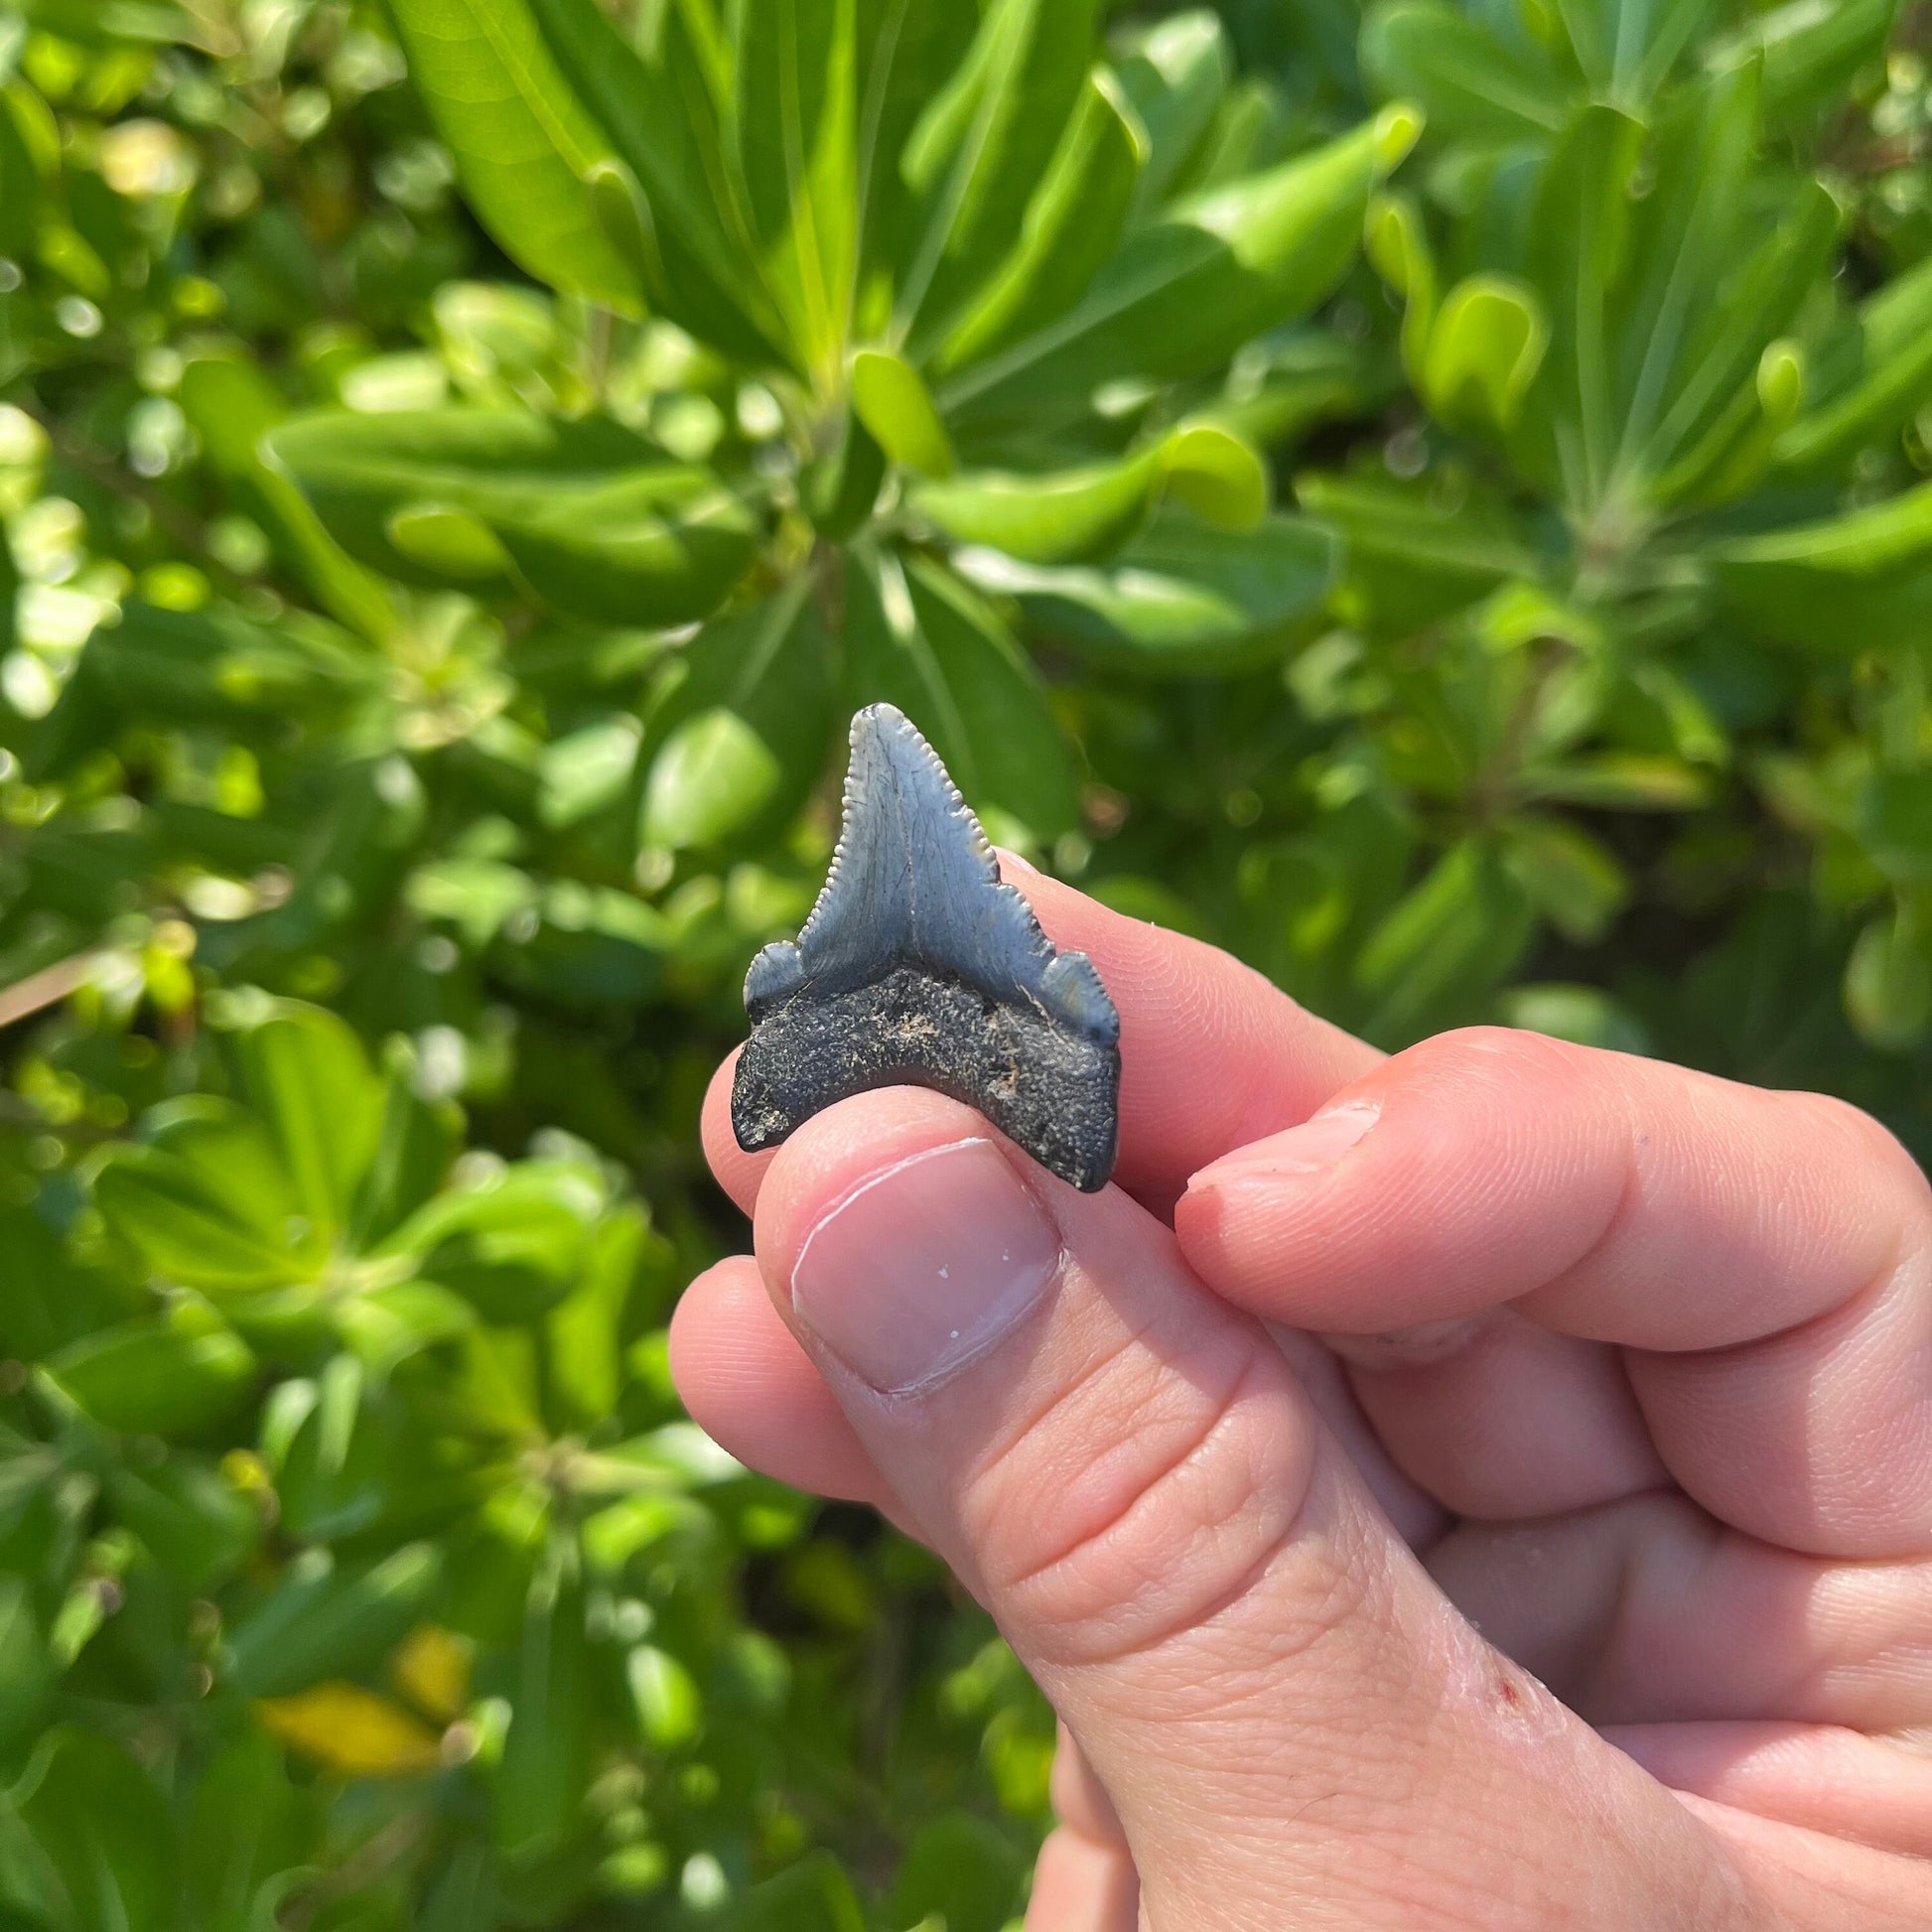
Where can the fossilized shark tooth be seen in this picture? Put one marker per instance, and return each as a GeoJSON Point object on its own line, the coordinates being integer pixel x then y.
{"type": "Point", "coordinates": [918, 967]}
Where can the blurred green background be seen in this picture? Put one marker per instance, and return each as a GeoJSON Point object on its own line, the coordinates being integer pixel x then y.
{"type": "Point", "coordinates": [1431, 495]}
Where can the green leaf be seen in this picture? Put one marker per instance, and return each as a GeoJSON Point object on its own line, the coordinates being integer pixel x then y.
{"type": "Point", "coordinates": [813, 1895]}
{"type": "Point", "coordinates": [917, 637]}
{"type": "Point", "coordinates": [249, 1826]}
{"type": "Point", "coordinates": [1573, 879]}
{"type": "Point", "coordinates": [597, 522]}
{"type": "Point", "coordinates": [176, 1374]}
{"type": "Point", "coordinates": [309, 1081]}
{"type": "Point", "coordinates": [192, 1520]}
{"type": "Point", "coordinates": [713, 775]}
{"type": "Point", "coordinates": [587, 772]}
{"type": "Point", "coordinates": [1698, 212]}
{"type": "Point", "coordinates": [546, 1764]}
{"type": "Point", "coordinates": [1217, 269]}
{"type": "Point", "coordinates": [201, 666]}
{"type": "Point", "coordinates": [1888, 983]}
{"type": "Point", "coordinates": [1464, 77]}
{"type": "Point", "coordinates": [1760, 298]}
{"type": "Point", "coordinates": [1585, 1016]}
{"type": "Point", "coordinates": [479, 896]}
{"type": "Point", "coordinates": [1627, 51]}
{"type": "Point", "coordinates": [207, 1200]}
{"type": "Point", "coordinates": [1072, 226]}
{"type": "Point", "coordinates": [523, 141]}
{"type": "Point", "coordinates": [447, 542]}
{"type": "Point", "coordinates": [1182, 600]}
{"type": "Point", "coordinates": [1634, 782]}
{"type": "Point", "coordinates": [1897, 330]}
{"type": "Point", "coordinates": [1410, 562]}
{"type": "Point", "coordinates": [1216, 474]}
{"type": "Point", "coordinates": [657, 110]}
{"type": "Point", "coordinates": [585, 1331]}
{"type": "Point", "coordinates": [327, 1619]}
{"type": "Point", "coordinates": [958, 1870]}
{"type": "Point", "coordinates": [770, 669]}
{"type": "Point", "coordinates": [1810, 50]}
{"type": "Point", "coordinates": [985, 142]}
{"type": "Point", "coordinates": [20, 191]}
{"type": "Point", "coordinates": [793, 133]}
{"type": "Point", "coordinates": [1397, 243]}
{"type": "Point", "coordinates": [665, 1696]}
{"type": "Point", "coordinates": [591, 945]}
{"type": "Point", "coordinates": [1894, 824]}
{"type": "Point", "coordinates": [1295, 384]}
{"type": "Point", "coordinates": [1045, 519]}
{"type": "Point", "coordinates": [51, 1295]}
{"type": "Point", "coordinates": [232, 405]}
{"type": "Point", "coordinates": [1175, 74]}
{"type": "Point", "coordinates": [1578, 241]}
{"type": "Point", "coordinates": [1833, 585]}
{"type": "Point", "coordinates": [1078, 514]}
{"type": "Point", "coordinates": [1484, 350]}
{"type": "Point", "coordinates": [841, 488]}
{"type": "Point", "coordinates": [385, 1326]}
{"type": "Point", "coordinates": [1665, 33]}
{"type": "Point", "coordinates": [512, 1250]}
{"type": "Point", "coordinates": [1447, 942]}
{"type": "Point", "coordinates": [27, 1668]}
{"type": "Point", "coordinates": [892, 400]}
{"type": "Point", "coordinates": [100, 1834]}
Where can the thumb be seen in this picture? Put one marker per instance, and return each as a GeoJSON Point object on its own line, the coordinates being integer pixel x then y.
{"type": "Point", "coordinates": [1288, 1715]}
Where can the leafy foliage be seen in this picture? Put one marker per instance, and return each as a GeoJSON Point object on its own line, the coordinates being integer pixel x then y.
{"type": "Point", "coordinates": [1430, 494]}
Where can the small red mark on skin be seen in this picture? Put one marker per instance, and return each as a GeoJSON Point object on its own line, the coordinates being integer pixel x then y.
{"type": "Point", "coordinates": [1508, 1692]}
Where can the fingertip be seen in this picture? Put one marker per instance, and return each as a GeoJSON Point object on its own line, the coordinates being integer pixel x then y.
{"type": "Point", "coordinates": [746, 1383]}
{"type": "Point", "coordinates": [1083, 1887]}
{"type": "Point", "coordinates": [739, 1173]}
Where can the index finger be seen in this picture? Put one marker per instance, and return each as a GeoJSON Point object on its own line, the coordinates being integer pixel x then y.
{"type": "Point", "coordinates": [1212, 1054]}
{"type": "Point", "coordinates": [1763, 1260]}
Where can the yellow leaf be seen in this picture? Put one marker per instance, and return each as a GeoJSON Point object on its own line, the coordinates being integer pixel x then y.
{"type": "Point", "coordinates": [351, 1732]}
{"type": "Point", "coordinates": [432, 1670]}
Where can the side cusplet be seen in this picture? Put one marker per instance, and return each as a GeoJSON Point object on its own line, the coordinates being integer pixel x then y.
{"type": "Point", "coordinates": [919, 967]}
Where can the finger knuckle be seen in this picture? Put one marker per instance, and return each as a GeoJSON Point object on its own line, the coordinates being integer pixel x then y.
{"type": "Point", "coordinates": [1142, 1503]}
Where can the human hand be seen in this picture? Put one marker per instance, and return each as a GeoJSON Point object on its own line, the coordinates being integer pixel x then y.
{"type": "Point", "coordinates": [1625, 1368]}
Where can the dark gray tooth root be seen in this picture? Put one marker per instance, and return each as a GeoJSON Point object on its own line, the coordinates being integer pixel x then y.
{"type": "Point", "coordinates": [918, 967]}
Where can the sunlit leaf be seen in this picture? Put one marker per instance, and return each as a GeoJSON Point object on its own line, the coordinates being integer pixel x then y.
{"type": "Point", "coordinates": [209, 1202]}
{"type": "Point", "coordinates": [1184, 599]}
{"type": "Point", "coordinates": [892, 401]}
{"type": "Point", "coordinates": [1071, 225]}
{"type": "Point", "coordinates": [917, 637]}
{"type": "Point", "coordinates": [523, 141]}
{"type": "Point", "coordinates": [1185, 292]}
{"type": "Point", "coordinates": [1469, 79]}
{"type": "Point", "coordinates": [175, 1374]}
{"type": "Point", "coordinates": [596, 522]}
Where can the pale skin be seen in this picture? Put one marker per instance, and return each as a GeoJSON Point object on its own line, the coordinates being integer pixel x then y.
{"type": "Point", "coordinates": [1375, 1397]}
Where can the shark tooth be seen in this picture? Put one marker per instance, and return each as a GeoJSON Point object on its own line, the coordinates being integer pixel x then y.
{"type": "Point", "coordinates": [919, 967]}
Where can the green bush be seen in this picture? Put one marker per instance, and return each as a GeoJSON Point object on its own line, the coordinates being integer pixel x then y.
{"type": "Point", "coordinates": [461, 466]}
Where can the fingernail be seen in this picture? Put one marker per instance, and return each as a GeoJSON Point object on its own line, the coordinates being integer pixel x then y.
{"type": "Point", "coordinates": [922, 1267]}
{"type": "Point", "coordinates": [1011, 861]}
{"type": "Point", "coordinates": [1312, 1148]}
